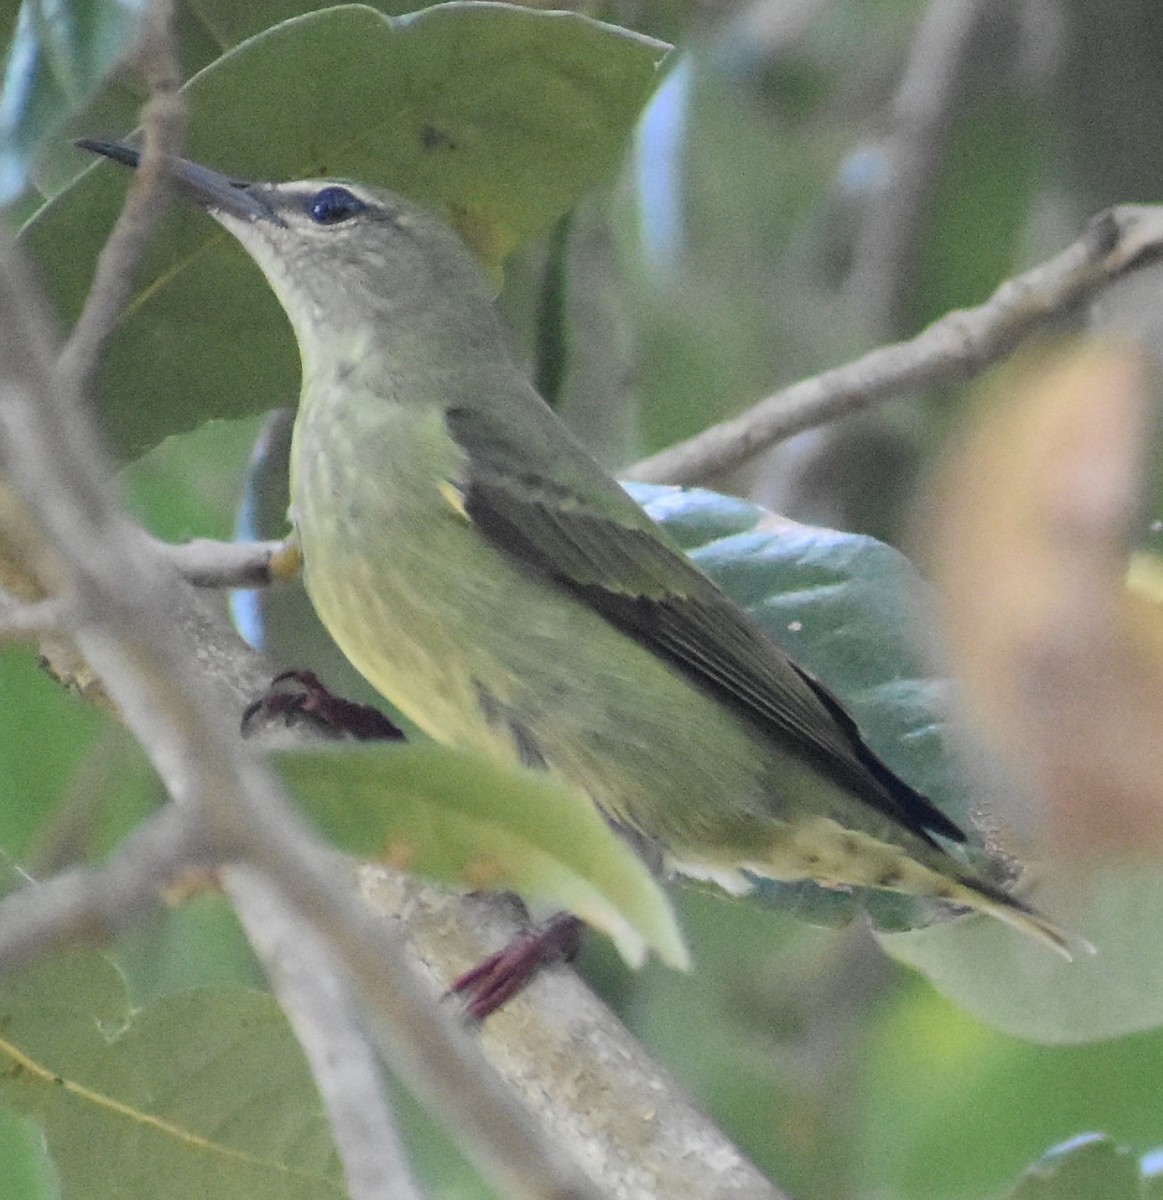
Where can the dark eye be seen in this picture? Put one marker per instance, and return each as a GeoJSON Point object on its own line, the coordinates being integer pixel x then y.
{"type": "Point", "coordinates": [334, 204]}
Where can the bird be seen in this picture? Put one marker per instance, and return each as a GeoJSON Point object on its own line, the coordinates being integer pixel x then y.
{"type": "Point", "coordinates": [489, 578]}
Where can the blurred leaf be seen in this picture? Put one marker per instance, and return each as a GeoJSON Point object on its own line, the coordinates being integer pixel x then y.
{"type": "Point", "coordinates": [28, 1173]}
{"type": "Point", "coordinates": [696, 517]}
{"type": "Point", "coordinates": [1085, 1168]}
{"type": "Point", "coordinates": [38, 712]}
{"type": "Point", "coordinates": [206, 1090]}
{"type": "Point", "coordinates": [60, 52]}
{"type": "Point", "coordinates": [499, 116]}
{"type": "Point", "coordinates": [111, 788]}
{"type": "Point", "coordinates": [928, 1067]}
{"type": "Point", "coordinates": [979, 208]}
{"type": "Point", "coordinates": [464, 820]}
{"type": "Point", "coordinates": [226, 23]}
{"type": "Point", "coordinates": [194, 940]}
{"type": "Point", "coordinates": [1030, 528]}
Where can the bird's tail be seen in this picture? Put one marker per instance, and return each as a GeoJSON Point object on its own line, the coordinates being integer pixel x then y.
{"type": "Point", "coordinates": [995, 902]}
{"type": "Point", "coordinates": [835, 856]}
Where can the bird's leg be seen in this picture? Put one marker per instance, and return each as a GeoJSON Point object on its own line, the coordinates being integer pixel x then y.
{"type": "Point", "coordinates": [296, 696]}
{"type": "Point", "coordinates": [501, 976]}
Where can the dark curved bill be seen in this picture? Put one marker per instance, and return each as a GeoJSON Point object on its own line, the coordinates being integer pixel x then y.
{"type": "Point", "coordinates": [234, 197]}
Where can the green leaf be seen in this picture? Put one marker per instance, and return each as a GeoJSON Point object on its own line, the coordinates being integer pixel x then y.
{"type": "Point", "coordinates": [27, 1169]}
{"type": "Point", "coordinates": [466, 821]}
{"type": "Point", "coordinates": [1113, 992]}
{"type": "Point", "coordinates": [1085, 1168]}
{"type": "Point", "coordinates": [499, 116]}
{"type": "Point", "coordinates": [60, 52]}
{"type": "Point", "coordinates": [206, 1090]}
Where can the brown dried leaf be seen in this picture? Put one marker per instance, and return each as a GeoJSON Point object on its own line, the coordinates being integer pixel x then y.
{"type": "Point", "coordinates": [1062, 665]}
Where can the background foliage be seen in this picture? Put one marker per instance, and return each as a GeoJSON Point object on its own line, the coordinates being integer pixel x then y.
{"type": "Point", "coordinates": [724, 245]}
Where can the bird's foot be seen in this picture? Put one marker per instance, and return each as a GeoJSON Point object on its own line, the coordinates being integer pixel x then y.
{"type": "Point", "coordinates": [299, 696]}
{"type": "Point", "coordinates": [501, 976]}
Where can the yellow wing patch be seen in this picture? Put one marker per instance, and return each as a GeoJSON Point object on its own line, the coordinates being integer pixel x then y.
{"type": "Point", "coordinates": [454, 498]}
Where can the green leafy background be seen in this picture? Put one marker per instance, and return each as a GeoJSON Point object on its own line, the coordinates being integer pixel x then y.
{"type": "Point", "coordinates": [706, 268]}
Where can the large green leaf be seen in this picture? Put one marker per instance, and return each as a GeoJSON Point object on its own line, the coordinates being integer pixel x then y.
{"type": "Point", "coordinates": [499, 116]}
{"type": "Point", "coordinates": [464, 820]}
{"type": "Point", "coordinates": [205, 1090]}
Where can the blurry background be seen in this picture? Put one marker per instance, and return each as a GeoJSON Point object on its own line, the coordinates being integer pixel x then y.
{"type": "Point", "coordinates": [812, 178]}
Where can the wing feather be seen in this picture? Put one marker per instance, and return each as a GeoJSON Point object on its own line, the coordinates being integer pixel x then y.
{"type": "Point", "coordinates": [589, 537]}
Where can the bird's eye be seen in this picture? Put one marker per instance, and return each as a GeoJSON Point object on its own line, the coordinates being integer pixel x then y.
{"type": "Point", "coordinates": [334, 204]}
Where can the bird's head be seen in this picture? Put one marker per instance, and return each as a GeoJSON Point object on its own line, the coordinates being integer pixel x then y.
{"type": "Point", "coordinates": [344, 259]}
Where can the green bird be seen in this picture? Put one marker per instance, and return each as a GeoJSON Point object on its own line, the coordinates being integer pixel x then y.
{"type": "Point", "coordinates": [490, 579]}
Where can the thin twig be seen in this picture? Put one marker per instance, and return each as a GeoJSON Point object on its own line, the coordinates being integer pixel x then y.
{"type": "Point", "coordinates": [957, 347]}
{"type": "Point", "coordinates": [206, 563]}
{"type": "Point", "coordinates": [88, 906]}
{"type": "Point", "coordinates": [163, 118]}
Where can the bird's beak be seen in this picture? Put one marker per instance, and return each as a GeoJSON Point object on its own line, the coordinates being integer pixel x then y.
{"type": "Point", "coordinates": [231, 197]}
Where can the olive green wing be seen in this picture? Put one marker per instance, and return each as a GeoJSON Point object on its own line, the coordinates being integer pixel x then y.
{"type": "Point", "coordinates": [578, 528]}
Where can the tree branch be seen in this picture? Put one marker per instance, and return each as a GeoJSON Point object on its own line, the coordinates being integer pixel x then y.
{"type": "Point", "coordinates": [597, 1093]}
{"type": "Point", "coordinates": [31, 621]}
{"type": "Point", "coordinates": [317, 1000]}
{"type": "Point", "coordinates": [207, 563]}
{"type": "Point", "coordinates": [957, 347]}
